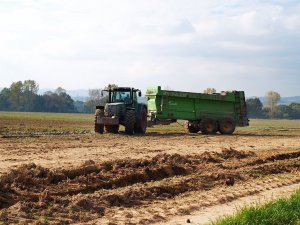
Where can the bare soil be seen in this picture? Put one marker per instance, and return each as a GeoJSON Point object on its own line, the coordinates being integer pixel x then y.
{"type": "Point", "coordinates": [119, 179]}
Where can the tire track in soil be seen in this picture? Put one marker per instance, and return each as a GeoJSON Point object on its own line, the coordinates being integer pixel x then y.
{"type": "Point", "coordinates": [228, 201]}
{"type": "Point", "coordinates": [92, 190]}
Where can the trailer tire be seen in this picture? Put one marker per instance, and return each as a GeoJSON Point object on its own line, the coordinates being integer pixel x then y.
{"type": "Point", "coordinates": [99, 128]}
{"type": "Point", "coordinates": [141, 125]}
{"type": "Point", "coordinates": [190, 128]}
{"type": "Point", "coordinates": [114, 129]}
{"type": "Point", "coordinates": [208, 126]}
{"type": "Point", "coordinates": [129, 122]}
{"type": "Point", "coordinates": [226, 126]}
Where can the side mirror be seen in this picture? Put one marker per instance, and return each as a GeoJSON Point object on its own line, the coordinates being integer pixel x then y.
{"type": "Point", "coordinates": [140, 94]}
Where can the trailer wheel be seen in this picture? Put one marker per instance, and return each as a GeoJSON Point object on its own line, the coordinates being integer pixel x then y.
{"type": "Point", "coordinates": [129, 122]}
{"type": "Point", "coordinates": [190, 127]}
{"type": "Point", "coordinates": [141, 126]}
{"type": "Point", "coordinates": [226, 126]}
{"type": "Point", "coordinates": [112, 129]}
{"type": "Point", "coordinates": [99, 128]}
{"type": "Point", "coordinates": [208, 126]}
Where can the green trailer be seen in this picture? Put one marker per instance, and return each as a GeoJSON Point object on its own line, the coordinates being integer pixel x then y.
{"type": "Point", "coordinates": [208, 113]}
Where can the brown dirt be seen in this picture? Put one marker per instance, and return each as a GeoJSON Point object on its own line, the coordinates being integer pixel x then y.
{"type": "Point", "coordinates": [118, 179]}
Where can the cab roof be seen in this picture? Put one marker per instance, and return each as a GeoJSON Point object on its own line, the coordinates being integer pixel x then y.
{"type": "Point", "coordinates": [122, 89]}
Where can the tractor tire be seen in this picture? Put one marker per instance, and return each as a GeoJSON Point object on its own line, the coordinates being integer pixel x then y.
{"type": "Point", "coordinates": [114, 129]}
{"type": "Point", "coordinates": [129, 122]}
{"type": "Point", "coordinates": [141, 126]}
{"type": "Point", "coordinates": [190, 128]}
{"type": "Point", "coordinates": [226, 126]}
{"type": "Point", "coordinates": [208, 126]}
{"type": "Point", "coordinates": [99, 128]}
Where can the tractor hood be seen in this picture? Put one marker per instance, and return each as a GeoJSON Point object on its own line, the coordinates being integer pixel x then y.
{"type": "Point", "coordinates": [115, 109]}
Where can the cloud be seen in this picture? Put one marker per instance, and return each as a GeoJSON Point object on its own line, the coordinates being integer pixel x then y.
{"type": "Point", "coordinates": [189, 44]}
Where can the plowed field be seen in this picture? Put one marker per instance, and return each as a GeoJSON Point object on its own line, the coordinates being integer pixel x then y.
{"type": "Point", "coordinates": [81, 177]}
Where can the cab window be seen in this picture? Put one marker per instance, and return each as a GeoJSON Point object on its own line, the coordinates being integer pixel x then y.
{"type": "Point", "coordinates": [121, 96]}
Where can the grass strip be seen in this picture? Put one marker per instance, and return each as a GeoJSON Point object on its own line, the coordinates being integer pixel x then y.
{"type": "Point", "coordinates": [281, 211]}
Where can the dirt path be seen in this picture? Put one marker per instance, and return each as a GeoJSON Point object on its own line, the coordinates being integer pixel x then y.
{"type": "Point", "coordinates": [207, 215]}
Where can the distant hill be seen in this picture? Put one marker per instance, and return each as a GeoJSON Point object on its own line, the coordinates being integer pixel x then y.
{"type": "Point", "coordinates": [288, 100]}
{"type": "Point", "coordinates": [77, 95]}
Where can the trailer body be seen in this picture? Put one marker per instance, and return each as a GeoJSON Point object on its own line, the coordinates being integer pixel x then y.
{"type": "Point", "coordinates": [203, 112]}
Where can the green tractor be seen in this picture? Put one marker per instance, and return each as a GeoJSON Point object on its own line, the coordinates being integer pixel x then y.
{"type": "Point", "coordinates": [122, 108]}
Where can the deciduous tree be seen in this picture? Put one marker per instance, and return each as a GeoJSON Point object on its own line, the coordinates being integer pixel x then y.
{"type": "Point", "coordinates": [254, 107]}
{"type": "Point", "coordinates": [272, 99]}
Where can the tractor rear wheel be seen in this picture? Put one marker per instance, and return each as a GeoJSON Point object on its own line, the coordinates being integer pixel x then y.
{"type": "Point", "coordinates": [141, 125]}
{"type": "Point", "coordinates": [99, 128]}
{"type": "Point", "coordinates": [112, 129]}
{"type": "Point", "coordinates": [226, 126]}
{"type": "Point", "coordinates": [208, 126]}
{"type": "Point", "coordinates": [129, 122]}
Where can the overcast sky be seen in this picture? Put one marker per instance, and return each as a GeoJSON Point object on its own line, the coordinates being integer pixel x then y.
{"type": "Point", "coordinates": [181, 44]}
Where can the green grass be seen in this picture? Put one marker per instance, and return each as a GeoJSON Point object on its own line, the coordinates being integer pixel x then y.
{"type": "Point", "coordinates": [281, 211]}
{"type": "Point", "coordinates": [73, 117]}
{"type": "Point", "coordinates": [75, 122]}
{"type": "Point", "coordinates": [272, 127]}
{"type": "Point", "coordinates": [45, 122]}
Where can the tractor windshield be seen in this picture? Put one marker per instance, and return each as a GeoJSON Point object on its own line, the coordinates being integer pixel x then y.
{"type": "Point", "coordinates": [121, 96]}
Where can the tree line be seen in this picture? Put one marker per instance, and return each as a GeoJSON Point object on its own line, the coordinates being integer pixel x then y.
{"type": "Point", "coordinates": [24, 97]}
{"type": "Point", "coordinates": [271, 109]}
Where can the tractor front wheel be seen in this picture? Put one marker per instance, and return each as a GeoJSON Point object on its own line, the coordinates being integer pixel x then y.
{"type": "Point", "coordinates": [99, 128]}
{"type": "Point", "coordinates": [129, 122]}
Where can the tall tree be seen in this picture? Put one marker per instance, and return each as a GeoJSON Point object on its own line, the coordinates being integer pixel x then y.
{"type": "Point", "coordinates": [283, 112]}
{"type": "Point", "coordinates": [254, 107]}
{"type": "Point", "coordinates": [29, 95]}
{"type": "Point", "coordinates": [30, 86]}
{"type": "Point", "coordinates": [95, 98]}
{"type": "Point", "coordinates": [4, 100]}
{"type": "Point", "coordinates": [15, 97]}
{"type": "Point", "coordinates": [95, 94]}
{"type": "Point", "coordinates": [295, 107]}
{"type": "Point", "coordinates": [59, 101]}
{"type": "Point", "coordinates": [60, 90]}
{"type": "Point", "coordinates": [272, 99]}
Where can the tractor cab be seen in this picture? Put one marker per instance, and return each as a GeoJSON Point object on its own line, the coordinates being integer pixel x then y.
{"type": "Point", "coordinates": [124, 95]}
